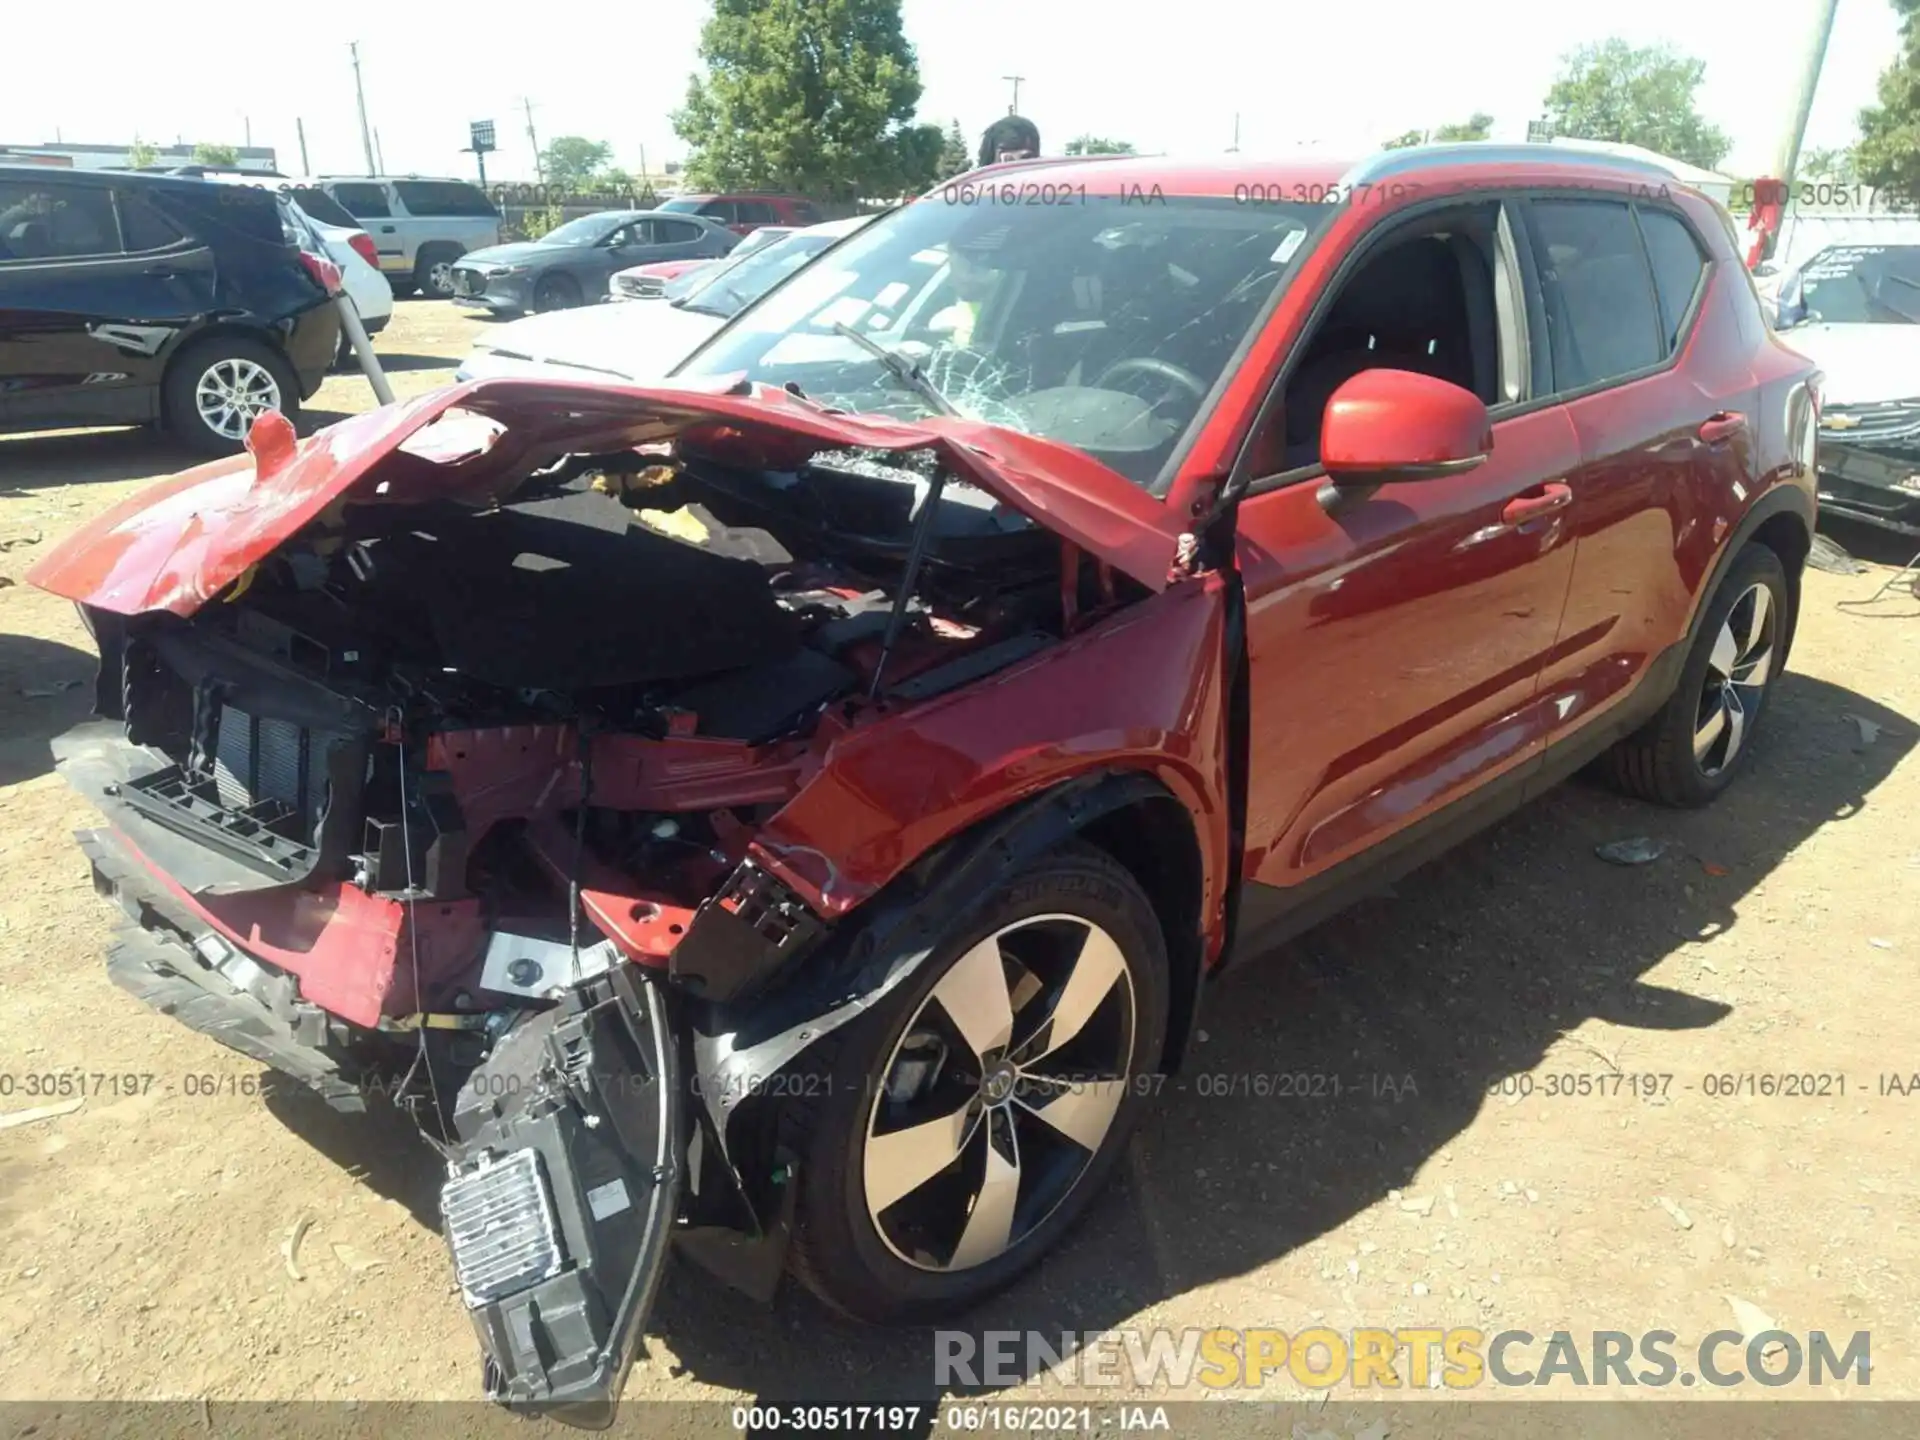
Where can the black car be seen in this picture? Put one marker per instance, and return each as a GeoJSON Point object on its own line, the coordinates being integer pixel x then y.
{"type": "Point", "coordinates": [574, 262]}
{"type": "Point", "coordinates": [127, 299]}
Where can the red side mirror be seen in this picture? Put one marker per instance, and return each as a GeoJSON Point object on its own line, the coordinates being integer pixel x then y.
{"type": "Point", "coordinates": [1388, 426]}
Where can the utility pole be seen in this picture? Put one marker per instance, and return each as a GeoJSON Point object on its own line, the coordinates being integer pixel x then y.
{"type": "Point", "coordinates": [1234, 149]}
{"type": "Point", "coordinates": [539, 170]}
{"type": "Point", "coordinates": [360, 94]}
{"type": "Point", "coordinates": [379, 156]}
{"type": "Point", "coordinates": [1014, 108]}
{"type": "Point", "coordinates": [300, 129]}
{"type": "Point", "coordinates": [247, 121]}
{"type": "Point", "coordinates": [1787, 158]}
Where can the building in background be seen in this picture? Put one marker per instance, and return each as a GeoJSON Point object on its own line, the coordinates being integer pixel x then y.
{"type": "Point", "coordinates": [259, 158]}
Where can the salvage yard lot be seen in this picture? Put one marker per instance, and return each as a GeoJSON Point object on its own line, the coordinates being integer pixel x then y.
{"type": "Point", "coordinates": [1493, 1156]}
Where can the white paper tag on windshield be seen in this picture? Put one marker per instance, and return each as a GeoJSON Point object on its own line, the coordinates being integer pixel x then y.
{"type": "Point", "coordinates": [1287, 246]}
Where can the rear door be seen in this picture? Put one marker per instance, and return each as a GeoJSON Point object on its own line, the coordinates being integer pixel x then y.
{"type": "Point", "coordinates": [369, 204]}
{"type": "Point", "coordinates": [1644, 355]}
{"type": "Point", "coordinates": [1396, 639]}
{"type": "Point", "coordinates": [87, 318]}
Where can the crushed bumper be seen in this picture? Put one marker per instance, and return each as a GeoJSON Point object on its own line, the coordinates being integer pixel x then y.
{"type": "Point", "coordinates": [164, 956]}
{"type": "Point", "coordinates": [1870, 464]}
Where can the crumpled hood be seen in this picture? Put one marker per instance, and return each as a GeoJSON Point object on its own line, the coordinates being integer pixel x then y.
{"type": "Point", "coordinates": [179, 544]}
{"type": "Point", "coordinates": [636, 342]}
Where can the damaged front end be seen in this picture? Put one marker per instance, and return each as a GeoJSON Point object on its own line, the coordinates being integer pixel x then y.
{"type": "Point", "coordinates": [1870, 464]}
{"type": "Point", "coordinates": [471, 753]}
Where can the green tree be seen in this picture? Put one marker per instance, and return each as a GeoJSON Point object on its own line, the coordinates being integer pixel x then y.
{"type": "Point", "coordinates": [1096, 145]}
{"type": "Point", "coordinates": [1612, 91]}
{"type": "Point", "coordinates": [224, 156]}
{"type": "Point", "coordinates": [1888, 156]}
{"type": "Point", "coordinates": [816, 96]}
{"type": "Point", "coordinates": [1404, 139]}
{"type": "Point", "coordinates": [955, 157]}
{"type": "Point", "coordinates": [140, 155]}
{"type": "Point", "coordinates": [1835, 167]}
{"type": "Point", "coordinates": [573, 162]}
{"type": "Point", "coordinates": [1477, 127]}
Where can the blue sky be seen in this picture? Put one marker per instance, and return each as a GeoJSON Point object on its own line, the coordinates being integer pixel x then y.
{"type": "Point", "coordinates": [1341, 76]}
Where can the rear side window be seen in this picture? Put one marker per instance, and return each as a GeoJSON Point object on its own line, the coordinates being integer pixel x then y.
{"type": "Point", "coordinates": [363, 202]}
{"type": "Point", "coordinates": [676, 232]}
{"type": "Point", "coordinates": [51, 221]}
{"type": "Point", "coordinates": [1603, 320]}
{"type": "Point", "coordinates": [721, 210]}
{"type": "Point", "coordinates": [321, 206]}
{"type": "Point", "coordinates": [757, 212]}
{"type": "Point", "coordinates": [805, 213]}
{"type": "Point", "coordinates": [141, 226]}
{"type": "Point", "coordinates": [442, 197]}
{"type": "Point", "coordinates": [1677, 267]}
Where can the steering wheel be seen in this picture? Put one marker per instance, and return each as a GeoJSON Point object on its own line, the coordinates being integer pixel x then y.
{"type": "Point", "coordinates": [1161, 369]}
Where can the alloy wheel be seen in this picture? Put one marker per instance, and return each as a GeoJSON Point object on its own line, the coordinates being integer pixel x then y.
{"type": "Point", "coordinates": [440, 278]}
{"type": "Point", "coordinates": [1738, 670]}
{"type": "Point", "coordinates": [1000, 1092]}
{"type": "Point", "coordinates": [232, 394]}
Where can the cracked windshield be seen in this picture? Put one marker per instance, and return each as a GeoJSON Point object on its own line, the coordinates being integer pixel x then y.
{"type": "Point", "coordinates": [1102, 324]}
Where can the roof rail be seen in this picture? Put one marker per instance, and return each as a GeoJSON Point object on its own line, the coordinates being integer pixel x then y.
{"type": "Point", "coordinates": [1392, 164]}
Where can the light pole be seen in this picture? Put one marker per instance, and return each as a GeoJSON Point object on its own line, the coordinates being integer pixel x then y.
{"type": "Point", "coordinates": [1014, 108]}
{"type": "Point", "coordinates": [360, 95]}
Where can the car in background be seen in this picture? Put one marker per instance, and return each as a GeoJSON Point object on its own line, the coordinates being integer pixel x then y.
{"type": "Point", "coordinates": [631, 342]}
{"type": "Point", "coordinates": [1854, 310]}
{"type": "Point", "coordinates": [137, 298]}
{"type": "Point", "coordinates": [576, 260]}
{"type": "Point", "coordinates": [350, 248]}
{"type": "Point", "coordinates": [649, 282]}
{"type": "Point", "coordinates": [419, 225]}
{"type": "Point", "coordinates": [746, 211]}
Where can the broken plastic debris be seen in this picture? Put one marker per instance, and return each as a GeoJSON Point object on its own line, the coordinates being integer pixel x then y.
{"type": "Point", "coordinates": [1680, 1217]}
{"type": "Point", "coordinates": [40, 1112]}
{"type": "Point", "coordinates": [1869, 729]}
{"type": "Point", "coordinates": [1640, 850]}
{"type": "Point", "coordinates": [290, 1247]}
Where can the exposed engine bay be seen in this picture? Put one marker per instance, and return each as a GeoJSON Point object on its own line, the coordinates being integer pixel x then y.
{"type": "Point", "coordinates": [454, 803]}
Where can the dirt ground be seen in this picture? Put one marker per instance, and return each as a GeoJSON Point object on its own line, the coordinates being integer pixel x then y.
{"type": "Point", "coordinates": [141, 1234]}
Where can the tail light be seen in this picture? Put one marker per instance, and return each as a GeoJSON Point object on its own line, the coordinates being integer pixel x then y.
{"type": "Point", "coordinates": [325, 273]}
{"type": "Point", "coordinates": [362, 245]}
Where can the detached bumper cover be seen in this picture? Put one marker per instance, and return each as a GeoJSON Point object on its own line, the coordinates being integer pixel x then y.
{"type": "Point", "coordinates": [1870, 464]}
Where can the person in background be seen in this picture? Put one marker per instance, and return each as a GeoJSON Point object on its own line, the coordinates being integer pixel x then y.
{"type": "Point", "coordinates": [1011, 137]}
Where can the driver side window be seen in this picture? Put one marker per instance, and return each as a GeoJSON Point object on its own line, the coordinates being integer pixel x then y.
{"type": "Point", "coordinates": [1431, 298]}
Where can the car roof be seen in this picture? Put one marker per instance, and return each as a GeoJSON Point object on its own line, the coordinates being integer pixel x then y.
{"type": "Point", "coordinates": [1310, 175]}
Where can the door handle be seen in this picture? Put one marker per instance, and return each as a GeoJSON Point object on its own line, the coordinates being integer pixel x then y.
{"type": "Point", "coordinates": [386, 229]}
{"type": "Point", "coordinates": [1541, 500]}
{"type": "Point", "coordinates": [1722, 427]}
{"type": "Point", "coordinates": [163, 272]}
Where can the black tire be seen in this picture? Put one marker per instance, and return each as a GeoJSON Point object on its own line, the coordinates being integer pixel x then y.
{"type": "Point", "coordinates": [430, 258]}
{"type": "Point", "coordinates": [178, 391]}
{"type": "Point", "coordinates": [837, 1250]}
{"type": "Point", "coordinates": [1657, 762]}
{"type": "Point", "coordinates": [555, 292]}
{"type": "Point", "coordinates": [401, 288]}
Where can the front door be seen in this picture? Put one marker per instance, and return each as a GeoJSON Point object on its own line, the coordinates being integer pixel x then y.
{"type": "Point", "coordinates": [1396, 641]}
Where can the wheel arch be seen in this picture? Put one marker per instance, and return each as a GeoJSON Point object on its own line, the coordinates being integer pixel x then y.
{"type": "Point", "coordinates": [1782, 519]}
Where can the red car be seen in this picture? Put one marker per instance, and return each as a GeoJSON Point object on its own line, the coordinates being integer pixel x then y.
{"type": "Point", "coordinates": [1028, 608]}
{"type": "Point", "coordinates": [746, 211]}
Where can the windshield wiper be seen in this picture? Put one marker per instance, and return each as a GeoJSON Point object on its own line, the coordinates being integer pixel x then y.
{"type": "Point", "coordinates": [907, 371]}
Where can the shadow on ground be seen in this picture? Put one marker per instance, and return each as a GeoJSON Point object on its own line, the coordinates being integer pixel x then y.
{"type": "Point", "coordinates": [69, 457]}
{"type": "Point", "coordinates": [1467, 973]}
{"type": "Point", "coordinates": [395, 364]}
{"type": "Point", "coordinates": [45, 688]}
